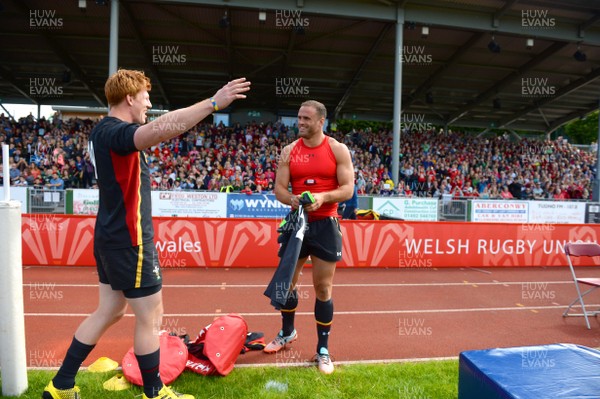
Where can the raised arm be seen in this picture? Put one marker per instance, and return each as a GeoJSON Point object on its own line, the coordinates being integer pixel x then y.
{"type": "Point", "coordinates": [176, 122]}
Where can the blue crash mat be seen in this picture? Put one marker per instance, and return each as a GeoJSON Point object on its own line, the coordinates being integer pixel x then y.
{"type": "Point", "coordinates": [557, 371]}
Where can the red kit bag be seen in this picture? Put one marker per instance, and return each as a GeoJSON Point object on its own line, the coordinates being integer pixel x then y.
{"type": "Point", "coordinates": [173, 356]}
{"type": "Point", "coordinates": [218, 346]}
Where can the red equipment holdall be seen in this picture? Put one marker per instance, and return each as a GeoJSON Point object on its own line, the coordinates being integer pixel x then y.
{"type": "Point", "coordinates": [218, 346]}
{"type": "Point", "coordinates": [173, 356]}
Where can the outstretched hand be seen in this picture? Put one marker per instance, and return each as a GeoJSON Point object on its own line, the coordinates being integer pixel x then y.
{"type": "Point", "coordinates": [231, 91]}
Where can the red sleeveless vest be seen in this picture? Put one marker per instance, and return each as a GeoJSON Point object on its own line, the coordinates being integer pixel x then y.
{"type": "Point", "coordinates": [314, 169]}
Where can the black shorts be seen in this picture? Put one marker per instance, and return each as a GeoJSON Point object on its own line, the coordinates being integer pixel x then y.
{"type": "Point", "coordinates": [133, 270]}
{"type": "Point", "coordinates": [323, 239]}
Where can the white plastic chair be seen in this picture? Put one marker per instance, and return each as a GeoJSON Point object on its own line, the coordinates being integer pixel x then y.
{"type": "Point", "coordinates": [582, 249]}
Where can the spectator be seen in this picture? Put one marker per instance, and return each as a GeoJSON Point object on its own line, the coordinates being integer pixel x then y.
{"type": "Point", "coordinates": [21, 182]}
{"type": "Point", "coordinates": [515, 189]}
{"type": "Point", "coordinates": [88, 172]}
{"type": "Point", "coordinates": [527, 194]}
{"type": "Point", "coordinates": [457, 192]}
{"type": "Point", "coordinates": [387, 182]}
{"type": "Point", "coordinates": [226, 187]}
{"type": "Point", "coordinates": [559, 194]}
{"type": "Point", "coordinates": [384, 188]}
{"type": "Point", "coordinates": [350, 206]}
{"type": "Point", "coordinates": [537, 192]}
{"type": "Point", "coordinates": [427, 158]}
{"type": "Point", "coordinates": [247, 189]}
{"type": "Point", "coordinates": [505, 193]}
{"type": "Point", "coordinates": [55, 182]}
{"type": "Point", "coordinates": [237, 184]}
{"type": "Point", "coordinates": [14, 173]}
{"type": "Point", "coordinates": [485, 194]}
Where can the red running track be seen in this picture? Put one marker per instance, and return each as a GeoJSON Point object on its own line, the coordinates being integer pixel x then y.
{"type": "Point", "coordinates": [380, 314]}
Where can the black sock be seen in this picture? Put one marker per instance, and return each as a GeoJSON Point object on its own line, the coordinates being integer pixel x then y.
{"type": "Point", "coordinates": [76, 354]}
{"type": "Point", "coordinates": [150, 373]}
{"type": "Point", "coordinates": [324, 318]}
{"type": "Point", "coordinates": [288, 311]}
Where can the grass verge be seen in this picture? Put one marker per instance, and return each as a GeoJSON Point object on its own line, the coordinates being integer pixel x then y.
{"type": "Point", "coordinates": [420, 380]}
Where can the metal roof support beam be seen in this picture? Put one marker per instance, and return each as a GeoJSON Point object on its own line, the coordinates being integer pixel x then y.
{"type": "Point", "coordinates": [8, 76]}
{"type": "Point", "coordinates": [475, 19]}
{"type": "Point", "coordinates": [148, 55]}
{"type": "Point", "coordinates": [519, 138]}
{"type": "Point", "coordinates": [288, 52]}
{"type": "Point", "coordinates": [507, 81]}
{"type": "Point", "coordinates": [113, 51]}
{"type": "Point", "coordinates": [323, 36]}
{"type": "Point", "coordinates": [5, 110]}
{"type": "Point", "coordinates": [74, 68]}
{"type": "Point", "coordinates": [487, 129]}
{"type": "Point", "coordinates": [196, 25]}
{"type": "Point", "coordinates": [596, 184]}
{"type": "Point", "coordinates": [498, 14]}
{"type": "Point", "coordinates": [65, 58]}
{"type": "Point", "coordinates": [286, 61]}
{"type": "Point", "coordinates": [359, 71]}
{"type": "Point", "coordinates": [229, 48]}
{"type": "Point", "coordinates": [543, 116]}
{"type": "Point", "coordinates": [595, 74]}
{"type": "Point", "coordinates": [397, 110]}
{"type": "Point", "coordinates": [438, 73]}
{"type": "Point", "coordinates": [581, 28]}
{"type": "Point", "coordinates": [573, 115]}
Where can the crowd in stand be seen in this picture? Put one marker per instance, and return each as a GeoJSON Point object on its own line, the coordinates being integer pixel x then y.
{"type": "Point", "coordinates": [52, 154]}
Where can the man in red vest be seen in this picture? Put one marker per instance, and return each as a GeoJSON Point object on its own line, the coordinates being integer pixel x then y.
{"type": "Point", "coordinates": [322, 165]}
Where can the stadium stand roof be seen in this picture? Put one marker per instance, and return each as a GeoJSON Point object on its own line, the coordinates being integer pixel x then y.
{"type": "Point", "coordinates": [474, 67]}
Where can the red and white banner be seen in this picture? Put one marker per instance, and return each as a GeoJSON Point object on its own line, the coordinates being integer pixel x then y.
{"type": "Point", "coordinates": [67, 240]}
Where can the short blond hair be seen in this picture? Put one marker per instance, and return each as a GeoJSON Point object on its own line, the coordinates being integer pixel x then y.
{"type": "Point", "coordinates": [124, 82]}
{"type": "Point", "coordinates": [320, 107]}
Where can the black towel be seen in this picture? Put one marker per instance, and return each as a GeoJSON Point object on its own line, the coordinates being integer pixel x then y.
{"type": "Point", "coordinates": [291, 234]}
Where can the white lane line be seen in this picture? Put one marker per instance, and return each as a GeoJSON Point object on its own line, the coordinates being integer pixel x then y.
{"type": "Point", "coordinates": [348, 362]}
{"type": "Point", "coordinates": [376, 285]}
{"type": "Point", "coordinates": [340, 313]}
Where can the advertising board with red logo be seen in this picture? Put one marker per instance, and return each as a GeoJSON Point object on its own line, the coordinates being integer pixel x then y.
{"type": "Point", "coordinates": [67, 240]}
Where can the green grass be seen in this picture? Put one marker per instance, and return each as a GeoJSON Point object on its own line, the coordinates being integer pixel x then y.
{"type": "Point", "coordinates": [420, 380]}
